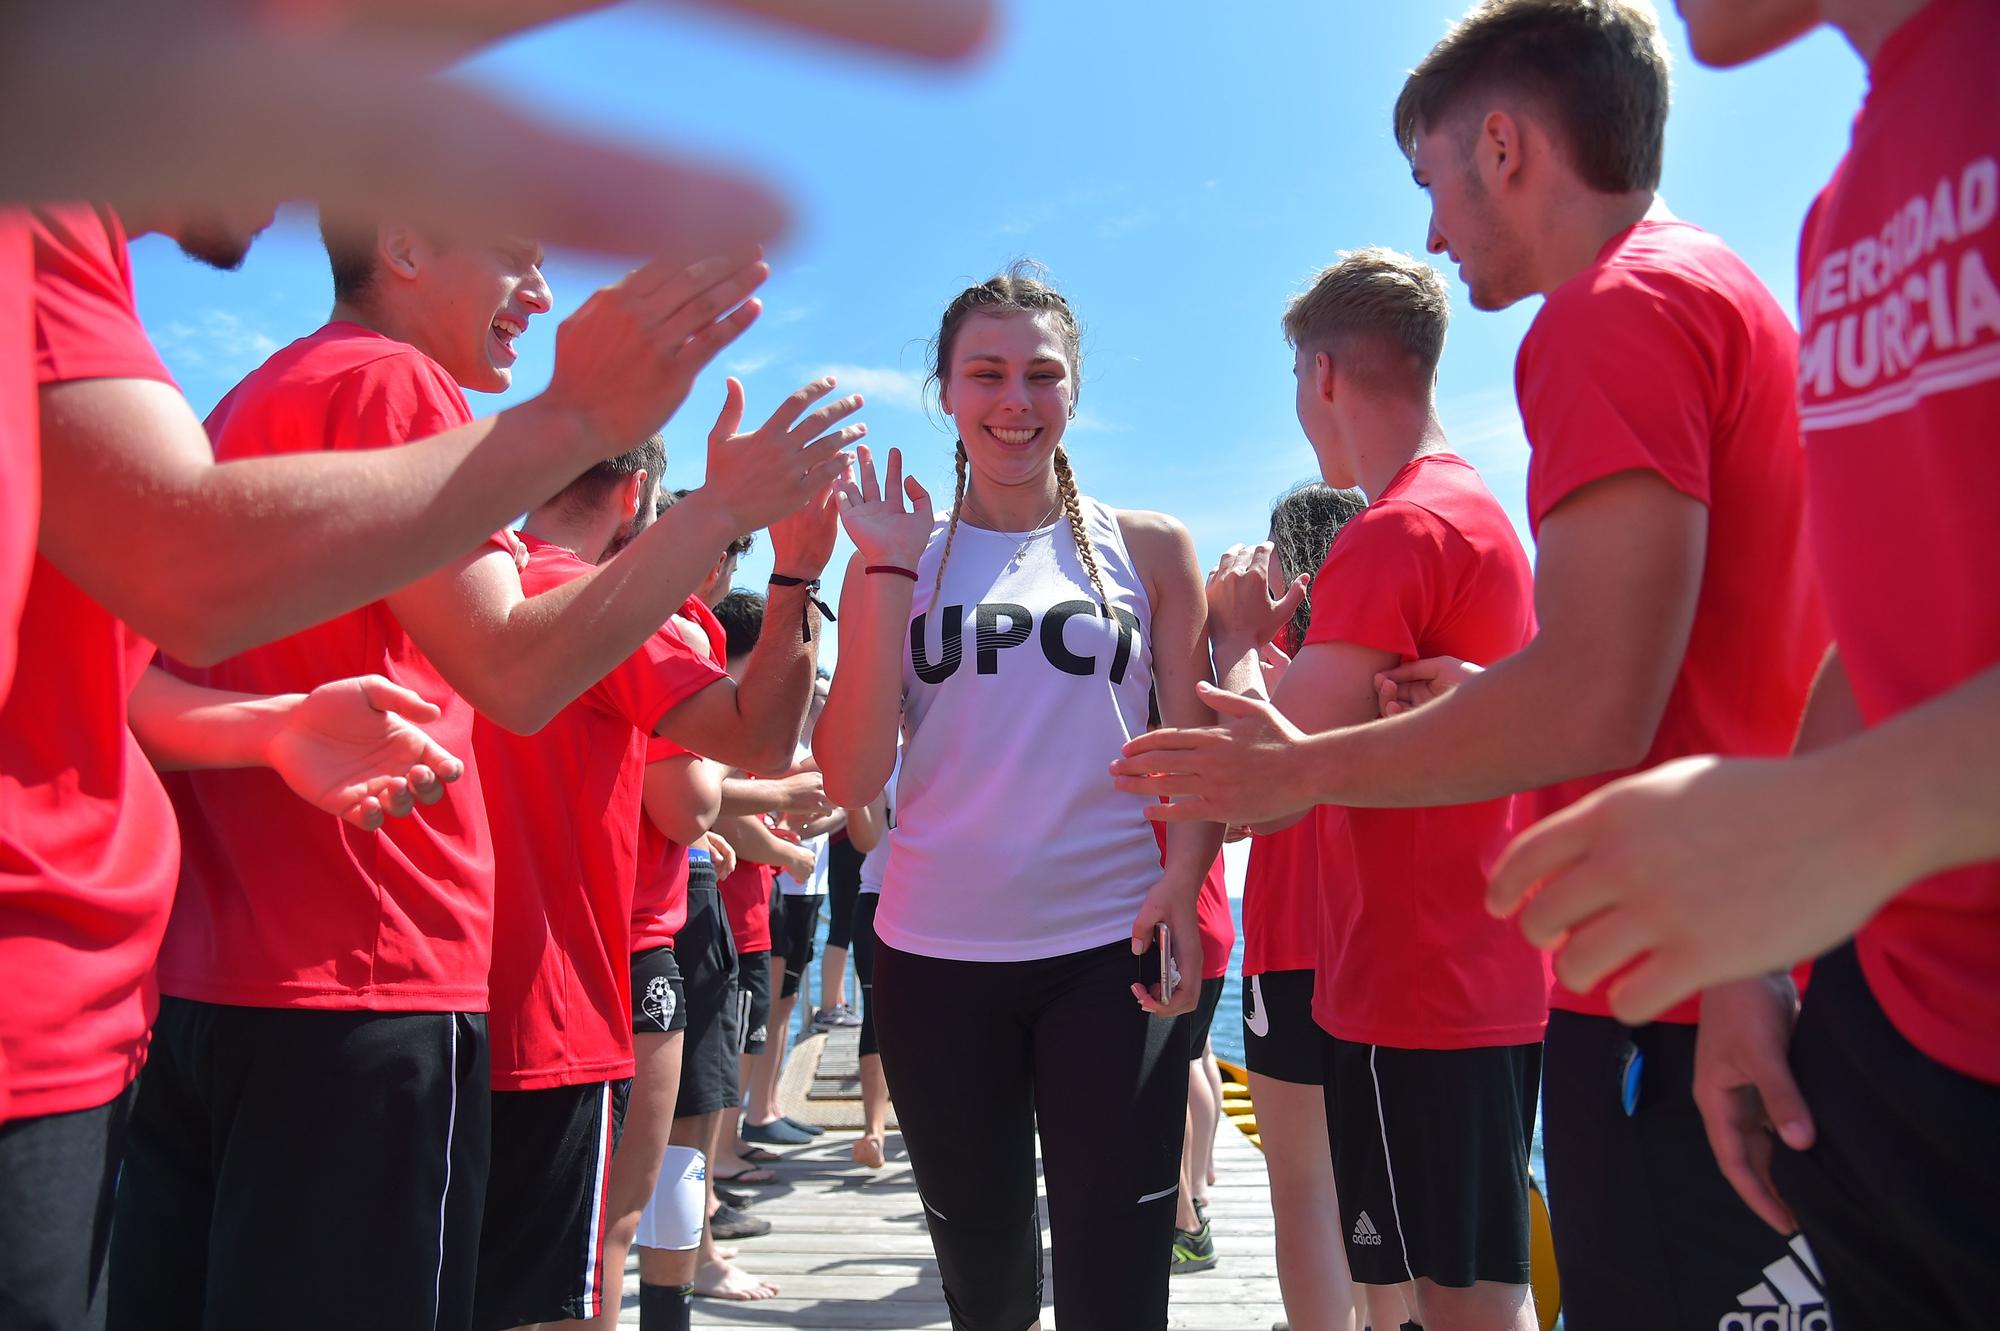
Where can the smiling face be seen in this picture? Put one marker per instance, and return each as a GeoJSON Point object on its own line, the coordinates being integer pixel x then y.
{"type": "Point", "coordinates": [1009, 388]}
{"type": "Point", "coordinates": [470, 302]}
{"type": "Point", "coordinates": [1469, 223]}
{"type": "Point", "coordinates": [1733, 32]}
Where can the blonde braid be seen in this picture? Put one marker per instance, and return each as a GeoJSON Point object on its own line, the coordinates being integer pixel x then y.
{"type": "Point", "coordinates": [951, 529]}
{"type": "Point", "coordinates": [1073, 508]}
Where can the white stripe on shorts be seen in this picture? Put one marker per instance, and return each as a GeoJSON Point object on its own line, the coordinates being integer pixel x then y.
{"type": "Point", "coordinates": [1388, 1162]}
{"type": "Point", "coordinates": [593, 1253]}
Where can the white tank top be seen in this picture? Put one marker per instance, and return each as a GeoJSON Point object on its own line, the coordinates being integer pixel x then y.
{"type": "Point", "coordinates": [1011, 842]}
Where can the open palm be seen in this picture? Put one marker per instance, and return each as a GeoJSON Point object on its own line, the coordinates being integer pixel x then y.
{"type": "Point", "coordinates": [882, 529]}
{"type": "Point", "coordinates": [352, 749]}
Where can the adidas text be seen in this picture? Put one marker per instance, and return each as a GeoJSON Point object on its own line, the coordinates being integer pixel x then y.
{"type": "Point", "coordinates": [1777, 1319]}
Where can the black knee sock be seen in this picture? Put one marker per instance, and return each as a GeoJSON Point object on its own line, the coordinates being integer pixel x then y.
{"type": "Point", "coordinates": [665, 1307]}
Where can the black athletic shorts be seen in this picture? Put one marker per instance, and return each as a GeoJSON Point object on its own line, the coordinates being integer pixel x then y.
{"type": "Point", "coordinates": [1649, 1236]}
{"type": "Point", "coordinates": [57, 1173]}
{"type": "Point", "coordinates": [1898, 1192]}
{"type": "Point", "coordinates": [1203, 1017]}
{"type": "Point", "coordinates": [794, 925]}
{"type": "Point", "coordinates": [843, 888]}
{"type": "Point", "coordinates": [659, 998]}
{"type": "Point", "coordinates": [541, 1249]}
{"type": "Point", "coordinates": [310, 1169]}
{"type": "Point", "coordinates": [706, 958]}
{"type": "Point", "coordinates": [753, 1001]}
{"type": "Point", "coordinates": [1280, 1038]}
{"type": "Point", "coordinates": [1430, 1159]}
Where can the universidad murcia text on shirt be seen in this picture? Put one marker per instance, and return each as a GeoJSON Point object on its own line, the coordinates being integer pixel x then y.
{"type": "Point", "coordinates": [1877, 308]}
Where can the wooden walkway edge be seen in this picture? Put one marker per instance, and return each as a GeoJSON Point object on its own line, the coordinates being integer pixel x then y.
{"type": "Point", "coordinates": [848, 1248]}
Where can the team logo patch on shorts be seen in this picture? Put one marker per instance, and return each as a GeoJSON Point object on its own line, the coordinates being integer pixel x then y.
{"type": "Point", "coordinates": [1365, 1234]}
{"type": "Point", "coordinates": [658, 1004]}
{"type": "Point", "coordinates": [1259, 1017]}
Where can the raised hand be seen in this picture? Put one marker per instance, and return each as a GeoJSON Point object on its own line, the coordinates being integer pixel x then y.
{"type": "Point", "coordinates": [881, 528]}
{"type": "Point", "coordinates": [626, 360]}
{"type": "Point", "coordinates": [778, 474]}
{"type": "Point", "coordinates": [1242, 613]}
{"type": "Point", "coordinates": [355, 749]}
{"type": "Point", "coordinates": [1409, 686]}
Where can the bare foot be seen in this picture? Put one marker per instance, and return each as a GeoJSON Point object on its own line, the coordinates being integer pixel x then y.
{"type": "Point", "coordinates": [724, 1251]}
{"type": "Point", "coordinates": [720, 1280]}
{"type": "Point", "coordinates": [867, 1151]}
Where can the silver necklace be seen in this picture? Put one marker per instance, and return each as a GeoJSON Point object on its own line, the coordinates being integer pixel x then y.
{"type": "Point", "coordinates": [1026, 539]}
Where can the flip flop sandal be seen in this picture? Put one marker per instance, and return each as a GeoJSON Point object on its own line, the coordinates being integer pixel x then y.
{"type": "Point", "coordinates": [753, 1175]}
{"type": "Point", "coordinates": [757, 1155]}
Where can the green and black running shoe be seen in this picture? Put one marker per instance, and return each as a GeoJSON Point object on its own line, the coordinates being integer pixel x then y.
{"type": "Point", "coordinates": [1193, 1252]}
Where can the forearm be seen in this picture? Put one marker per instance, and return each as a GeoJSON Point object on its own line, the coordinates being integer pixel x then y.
{"type": "Point", "coordinates": [754, 841]}
{"type": "Point", "coordinates": [246, 551]}
{"type": "Point", "coordinates": [185, 727]}
{"type": "Point", "coordinates": [855, 741]}
{"type": "Point", "coordinates": [1191, 850]}
{"type": "Point", "coordinates": [751, 795]}
{"type": "Point", "coordinates": [1236, 668]}
{"type": "Point", "coordinates": [1915, 794]}
{"type": "Point", "coordinates": [777, 684]}
{"type": "Point", "coordinates": [1516, 726]}
{"type": "Point", "coordinates": [866, 825]}
{"type": "Point", "coordinates": [546, 650]}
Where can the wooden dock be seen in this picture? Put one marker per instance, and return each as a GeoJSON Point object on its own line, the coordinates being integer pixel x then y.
{"type": "Point", "coordinates": [848, 1247]}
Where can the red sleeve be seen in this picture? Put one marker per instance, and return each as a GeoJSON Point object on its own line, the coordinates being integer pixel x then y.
{"type": "Point", "coordinates": [394, 400]}
{"type": "Point", "coordinates": [86, 317]}
{"type": "Point", "coordinates": [1616, 377]}
{"type": "Point", "coordinates": [652, 681]}
{"type": "Point", "coordinates": [1382, 580]}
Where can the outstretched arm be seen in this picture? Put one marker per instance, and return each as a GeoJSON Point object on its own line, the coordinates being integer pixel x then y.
{"type": "Point", "coordinates": [1617, 575]}
{"type": "Point", "coordinates": [241, 552]}
{"type": "Point", "coordinates": [521, 659]}
{"type": "Point", "coordinates": [352, 748]}
{"type": "Point", "coordinates": [1706, 870]}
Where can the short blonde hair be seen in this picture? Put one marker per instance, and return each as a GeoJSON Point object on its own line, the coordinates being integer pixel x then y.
{"type": "Point", "coordinates": [1369, 302]}
{"type": "Point", "coordinates": [1597, 68]}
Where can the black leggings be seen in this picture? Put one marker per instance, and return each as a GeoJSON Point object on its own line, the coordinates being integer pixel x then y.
{"type": "Point", "coordinates": [843, 889]}
{"type": "Point", "coordinates": [864, 967]}
{"type": "Point", "coordinates": [978, 1056]}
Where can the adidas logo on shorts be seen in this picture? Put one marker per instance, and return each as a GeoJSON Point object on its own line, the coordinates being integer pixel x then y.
{"type": "Point", "coordinates": [1786, 1299]}
{"type": "Point", "coordinates": [1365, 1234]}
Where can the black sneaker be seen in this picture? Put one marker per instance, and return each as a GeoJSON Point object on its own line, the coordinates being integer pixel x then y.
{"type": "Point", "coordinates": [731, 1197]}
{"type": "Point", "coordinates": [730, 1223]}
{"type": "Point", "coordinates": [1193, 1252]}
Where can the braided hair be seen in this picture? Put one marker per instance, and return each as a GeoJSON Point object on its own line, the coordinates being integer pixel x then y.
{"type": "Point", "coordinates": [1019, 290]}
{"type": "Point", "coordinates": [1304, 522]}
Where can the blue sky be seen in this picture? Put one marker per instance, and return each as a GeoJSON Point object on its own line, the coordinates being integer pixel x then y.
{"type": "Point", "coordinates": [1181, 169]}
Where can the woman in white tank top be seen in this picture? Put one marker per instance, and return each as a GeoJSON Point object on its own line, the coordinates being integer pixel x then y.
{"type": "Point", "coordinates": [1012, 644]}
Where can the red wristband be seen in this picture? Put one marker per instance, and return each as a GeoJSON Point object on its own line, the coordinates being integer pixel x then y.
{"type": "Point", "coordinates": [896, 569]}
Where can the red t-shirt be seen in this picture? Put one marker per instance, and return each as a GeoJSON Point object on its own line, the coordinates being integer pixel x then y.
{"type": "Point", "coordinates": [1668, 355]}
{"type": "Point", "coordinates": [87, 845]}
{"type": "Point", "coordinates": [746, 896]}
{"type": "Point", "coordinates": [1211, 914]}
{"type": "Point", "coordinates": [1900, 388]}
{"type": "Point", "coordinates": [1289, 875]}
{"type": "Point", "coordinates": [1432, 567]}
{"type": "Point", "coordinates": [20, 439]}
{"type": "Point", "coordinates": [659, 898]}
{"type": "Point", "coordinates": [281, 905]}
{"type": "Point", "coordinates": [564, 806]}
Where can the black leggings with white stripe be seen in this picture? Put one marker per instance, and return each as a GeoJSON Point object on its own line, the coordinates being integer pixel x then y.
{"type": "Point", "coordinates": [978, 1055]}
